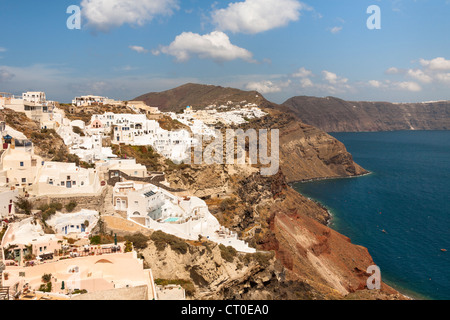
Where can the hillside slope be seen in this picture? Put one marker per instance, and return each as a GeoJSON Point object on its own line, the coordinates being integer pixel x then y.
{"type": "Point", "coordinates": [198, 96]}
{"type": "Point", "coordinates": [335, 115]}
{"type": "Point", "coordinates": [305, 152]}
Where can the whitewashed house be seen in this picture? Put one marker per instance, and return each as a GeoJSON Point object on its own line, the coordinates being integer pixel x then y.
{"type": "Point", "coordinates": [19, 166]}
{"type": "Point", "coordinates": [59, 178]}
{"type": "Point", "coordinates": [7, 198]}
{"type": "Point", "coordinates": [184, 217]}
{"type": "Point", "coordinates": [79, 223]}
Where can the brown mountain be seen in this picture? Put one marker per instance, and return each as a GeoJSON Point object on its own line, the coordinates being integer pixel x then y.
{"type": "Point", "coordinates": [335, 115]}
{"type": "Point", "coordinates": [198, 96]}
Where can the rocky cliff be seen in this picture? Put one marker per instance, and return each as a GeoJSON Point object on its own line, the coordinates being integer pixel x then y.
{"type": "Point", "coordinates": [310, 261]}
{"type": "Point", "coordinates": [305, 151]}
{"type": "Point", "coordinates": [336, 115]}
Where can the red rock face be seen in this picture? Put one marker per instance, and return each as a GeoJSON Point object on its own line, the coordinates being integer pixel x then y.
{"type": "Point", "coordinates": [314, 253]}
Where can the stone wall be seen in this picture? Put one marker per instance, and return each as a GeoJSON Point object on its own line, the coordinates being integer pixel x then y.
{"type": "Point", "coordinates": [96, 202]}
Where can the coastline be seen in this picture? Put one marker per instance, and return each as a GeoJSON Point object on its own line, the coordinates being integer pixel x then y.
{"type": "Point", "coordinates": [321, 205]}
{"type": "Point", "coordinates": [403, 291]}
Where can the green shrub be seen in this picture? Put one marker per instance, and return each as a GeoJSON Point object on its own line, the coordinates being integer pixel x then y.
{"type": "Point", "coordinates": [71, 206]}
{"type": "Point", "coordinates": [128, 246]}
{"type": "Point", "coordinates": [228, 204]}
{"type": "Point", "coordinates": [139, 240]}
{"type": "Point", "coordinates": [227, 253]}
{"type": "Point", "coordinates": [79, 291]}
{"type": "Point", "coordinates": [47, 277]}
{"type": "Point", "coordinates": [96, 240]}
{"type": "Point", "coordinates": [46, 287]}
{"type": "Point", "coordinates": [162, 239]}
{"type": "Point", "coordinates": [25, 205]}
{"type": "Point", "coordinates": [78, 130]}
{"type": "Point", "coordinates": [187, 285]}
{"type": "Point", "coordinates": [2, 233]}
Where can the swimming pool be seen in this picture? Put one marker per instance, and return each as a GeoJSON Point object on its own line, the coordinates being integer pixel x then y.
{"type": "Point", "coordinates": [171, 219]}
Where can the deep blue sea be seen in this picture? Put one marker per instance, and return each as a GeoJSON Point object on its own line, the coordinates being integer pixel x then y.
{"type": "Point", "coordinates": [407, 195]}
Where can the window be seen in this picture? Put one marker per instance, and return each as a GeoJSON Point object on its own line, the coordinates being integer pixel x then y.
{"type": "Point", "coordinates": [68, 177]}
{"type": "Point", "coordinates": [24, 180]}
{"type": "Point", "coordinates": [21, 163]}
{"type": "Point", "coordinates": [74, 183]}
{"type": "Point", "coordinates": [63, 183]}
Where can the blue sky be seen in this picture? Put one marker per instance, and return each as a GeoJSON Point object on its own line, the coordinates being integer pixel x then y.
{"type": "Point", "coordinates": [281, 48]}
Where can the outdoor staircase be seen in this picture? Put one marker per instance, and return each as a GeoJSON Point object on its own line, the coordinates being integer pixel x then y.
{"type": "Point", "coordinates": [108, 208]}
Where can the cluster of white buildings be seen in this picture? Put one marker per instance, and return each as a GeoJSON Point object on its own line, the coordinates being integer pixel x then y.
{"type": "Point", "coordinates": [210, 116]}
{"type": "Point", "coordinates": [24, 173]}
{"type": "Point", "coordinates": [29, 254]}
{"type": "Point", "coordinates": [34, 105]}
{"type": "Point", "coordinates": [89, 100]}
{"type": "Point", "coordinates": [184, 217]}
{"type": "Point", "coordinates": [88, 146]}
{"type": "Point", "coordinates": [137, 130]}
{"type": "Point", "coordinates": [21, 169]}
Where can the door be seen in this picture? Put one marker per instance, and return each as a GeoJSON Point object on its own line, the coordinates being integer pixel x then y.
{"type": "Point", "coordinates": [69, 184]}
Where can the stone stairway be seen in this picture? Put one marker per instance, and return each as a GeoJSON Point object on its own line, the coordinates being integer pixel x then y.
{"type": "Point", "coordinates": [108, 208]}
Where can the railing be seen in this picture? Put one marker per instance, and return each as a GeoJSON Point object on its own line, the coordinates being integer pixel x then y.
{"type": "Point", "coordinates": [4, 293]}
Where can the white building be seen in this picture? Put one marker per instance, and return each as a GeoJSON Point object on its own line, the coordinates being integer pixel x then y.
{"type": "Point", "coordinates": [19, 166]}
{"type": "Point", "coordinates": [90, 100]}
{"type": "Point", "coordinates": [57, 178]}
{"type": "Point", "coordinates": [7, 198]}
{"type": "Point", "coordinates": [184, 217]}
{"type": "Point", "coordinates": [79, 224]}
{"type": "Point", "coordinates": [36, 107]}
{"type": "Point", "coordinates": [22, 169]}
{"type": "Point", "coordinates": [35, 97]}
{"type": "Point", "coordinates": [127, 166]}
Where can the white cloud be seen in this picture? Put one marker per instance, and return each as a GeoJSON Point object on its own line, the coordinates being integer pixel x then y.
{"type": "Point", "coordinates": [263, 87]}
{"type": "Point", "coordinates": [443, 77]}
{"type": "Point", "coordinates": [393, 70]}
{"type": "Point", "coordinates": [2, 49]}
{"type": "Point", "coordinates": [419, 75]}
{"type": "Point", "coordinates": [392, 85]}
{"type": "Point", "coordinates": [254, 16]}
{"type": "Point", "coordinates": [336, 29]}
{"type": "Point", "coordinates": [333, 78]}
{"type": "Point", "coordinates": [437, 64]}
{"type": "Point", "coordinates": [302, 73]}
{"type": "Point", "coordinates": [106, 14]}
{"type": "Point", "coordinates": [432, 71]}
{"type": "Point", "coordinates": [376, 84]}
{"type": "Point", "coordinates": [408, 85]}
{"type": "Point", "coordinates": [138, 49]}
{"type": "Point", "coordinates": [306, 83]}
{"type": "Point", "coordinates": [215, 45]}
